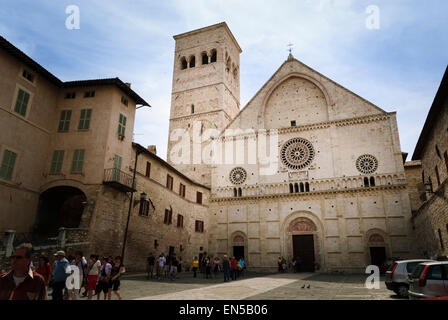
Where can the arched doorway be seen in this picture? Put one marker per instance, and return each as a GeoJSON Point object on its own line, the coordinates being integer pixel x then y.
{"type": "Point", "coordinates": [239, 245]}
{"type": "Point", "coordinates": [59, 207]}
{"type": "Point", "coordinates": [304, 242]}
{"type": "Point", "coordinates": [377, 247]}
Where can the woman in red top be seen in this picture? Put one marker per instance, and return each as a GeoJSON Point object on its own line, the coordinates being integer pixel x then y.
{"type": "Point", "coordinates": [234, 266]}
{"type": "Point", "coordinates": [44, 269]}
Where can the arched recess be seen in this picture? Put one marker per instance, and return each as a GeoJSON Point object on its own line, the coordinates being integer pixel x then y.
{"type": "Point", "coordinates": [377, 246]}
{"type": "Point", "coordinates": [238, 245]}
{"type": "Point", "coordinates": [262, 111]}
{"type": "Point", "coordinates": [303, 223]}
{"type": "Point", "coordinates": [59, 206]}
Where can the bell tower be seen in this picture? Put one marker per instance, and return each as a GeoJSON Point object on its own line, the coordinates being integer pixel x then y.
{"type": "Point", "coordinates": [205, 96]}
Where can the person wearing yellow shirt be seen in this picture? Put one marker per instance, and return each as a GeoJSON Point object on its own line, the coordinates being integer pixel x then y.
{"type": "Point", "coordinates": [195, 266]}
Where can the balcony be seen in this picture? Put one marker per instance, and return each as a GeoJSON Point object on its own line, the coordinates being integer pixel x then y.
{"type": "Point", "coordinates": [118, 179]}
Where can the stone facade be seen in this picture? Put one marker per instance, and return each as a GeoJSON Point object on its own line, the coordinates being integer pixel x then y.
{"type": "Point", "coordinates": [431, 219]}
{"type": "Point", "coordinates": [204, 96]}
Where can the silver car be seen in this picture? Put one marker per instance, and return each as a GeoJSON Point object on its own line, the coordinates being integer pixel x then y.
{"type": "Point", "coordinates": [429, 279]}
{"type": "Point", "coordinates": [397, 275]}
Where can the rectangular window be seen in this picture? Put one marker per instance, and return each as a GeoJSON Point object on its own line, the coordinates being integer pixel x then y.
{"type": "Point", "coordinates": [199, 197]}
{"type": "Point", "coordinates": [168, 217]}
{"type": "Point", "coordinates": [148, 169]}
{"type": "Point", "coordinates": [28, 76]}
{"type": "Point", "coordinates": [84, 120]}
{"type": "Point", "coordinates": [180, 221]}
{"type": "Point", "coordinates": [8, 162]}
{"type": "Point", "coordinates": [117, 168]}
{"type": "Point", "coordinates": [78, 161]}
{"type": "Point", "coordinates": [121, 125]}
{"type": "Point", "coordinates": [124, 101]}
{"type": "Point", "coordinates": [169, 182]}
{"type": "Point", "coordinates": [56, 162]}
{"type": "Point", "coordinates": [89, 94]}
{"type": "Point", "coordinates": [144, 208]}
{"type": "Point", "coordinates": [199, 226]}
{"type": "Point", "coordinates": [64, 121]}
{"type": "Point", "coordinates": [182, 190]}
{"type": "Point", "coordinates": [293, 123]}
{"type": "Point", "coordinates": [70, 95]}
{"type": "Point", "coordinates": [22, 102]}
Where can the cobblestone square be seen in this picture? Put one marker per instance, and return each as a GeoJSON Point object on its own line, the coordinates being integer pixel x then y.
{"type": "Point", "coordinates": [288, 286]}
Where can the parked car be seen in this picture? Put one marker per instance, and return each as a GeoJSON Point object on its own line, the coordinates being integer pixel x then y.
{"type": "Point", "coordinates": [397, 275]}
{"type": "Point", "coordinates": [429, 280]}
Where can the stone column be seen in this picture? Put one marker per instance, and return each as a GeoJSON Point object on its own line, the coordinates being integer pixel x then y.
{"type": "Point", "coordinates": [61, 237]}
{"type": "Point", "coordinates": [8, 242]}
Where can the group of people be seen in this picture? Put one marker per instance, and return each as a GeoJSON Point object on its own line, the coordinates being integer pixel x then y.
{"type": "Point", "coordinates": [66, 276]}
{"type": "Point", "coordinates": [169, 267]}
{"type": "Point", "coordinates": [296, 264]}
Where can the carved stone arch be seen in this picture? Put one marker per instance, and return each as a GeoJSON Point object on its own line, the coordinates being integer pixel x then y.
{"type": "Point", "coordinates": [303, 223]}
{"type": "Point", "coordinates": [239, 239]}
{"type": "Point", "coordinates": [262, 111]}
{"type": "Point", "coordinates": [376, 237]}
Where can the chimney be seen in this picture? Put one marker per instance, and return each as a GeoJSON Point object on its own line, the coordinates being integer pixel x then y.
{"type": "Point", "coordinates": [152, 149]}
{"type": "Point", "coordinates": [128, 84]}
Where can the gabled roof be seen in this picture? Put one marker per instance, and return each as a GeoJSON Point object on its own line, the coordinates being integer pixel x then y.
{"type": "Point", "coordinates": [433, 114]}
{"type": "Point", "coordinates": [33, 65]}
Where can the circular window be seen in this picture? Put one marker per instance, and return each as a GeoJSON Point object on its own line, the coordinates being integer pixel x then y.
{"type": "Point", "coordinates": [297, 153]}
{"type": "Point", "coordinates": [367, 164]}
{"type": "Point", "coordinates": [238, 175]}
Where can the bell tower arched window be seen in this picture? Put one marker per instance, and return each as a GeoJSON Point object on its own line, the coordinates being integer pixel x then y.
{"type": "Point", "coordinates": [204, 58]}
{"type": "Point", "coordinates": [214, 56]}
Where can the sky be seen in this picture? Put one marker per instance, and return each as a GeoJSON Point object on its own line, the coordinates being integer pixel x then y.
{"type": "Point", "coordinates": [393, 55]}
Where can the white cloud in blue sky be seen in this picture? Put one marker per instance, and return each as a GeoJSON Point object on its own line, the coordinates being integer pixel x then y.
{"type": "Point", "coordinates": [398, 67]}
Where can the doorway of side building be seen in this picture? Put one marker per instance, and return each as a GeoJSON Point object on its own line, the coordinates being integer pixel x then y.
{"type": "Point", "coordinates": [238, 252]}
{"type": "Point", "coordinates": [303, 247]}
{"type": "Point", "coordinates": [59, 207]}
{"type": "Point", "coordinates": [377, 255]}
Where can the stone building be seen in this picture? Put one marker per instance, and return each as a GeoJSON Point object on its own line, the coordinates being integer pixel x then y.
{"type": "Point", "coordinates": [431, 218]}
{"type": "Point", "coordinates": [67, 160]}
{"type": "Point", "coordinates": [307, 168]}
{"type": "Point", "coordinates": [336, 193]}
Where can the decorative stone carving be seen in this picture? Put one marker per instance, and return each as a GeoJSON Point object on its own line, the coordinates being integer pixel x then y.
{"type": "Point", "coordinates": [238, 239]}
{"type": "Point", "coordinates": [367, 164]}
{"type": "Point", "coordinates": [302, 224]}
{"type": "Point", "coordinates": [297, 153]}
{"type": "Point", "coordinates": [376, 238]}
{"type": "Point", "coordinates": [238, 175]}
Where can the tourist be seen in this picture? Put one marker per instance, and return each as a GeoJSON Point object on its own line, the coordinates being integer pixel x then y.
{"type": "Point", "coordinates": [92, 275]}
{"type": "Point", "coordinates": [21, 283]}
{"type": "Point", "coordinates": [160, 265]}
{"type": "Point", "coordinates": [115, 274]}
{"type": "Point", "coordinates": [44, 269]}
{"type": "Point", "coordinates": [179, 266]}
{"type": "Point", "coordinates": [167, 267]}
{"type": "Point", "coordinates": [195, 266]}
{"type": "Point", "coordinates": [226, 267]}
{"type": "Point", "coordinates": [216, 266]}
{"type": "Point", "coordinates": [208, 268]}
{"type": "Point", "coordinates": [150, 265]}
{"type": "Point", "coordinates": [234, 265]}
{"type": "Point", "coordinates": [173, 267]}
{"type": "Point", "coordinates": [79, 262]}
{"type": "Point", "coordinates": [279, 263]}
{"type": "Point", "coordinates": [60, 274]}
{"type": "Point", "coordinates": [241, 266]}
{"type": "Point", "coordinates": [284, 265]}
{"type": "Point", "coordinates": [104, 278]}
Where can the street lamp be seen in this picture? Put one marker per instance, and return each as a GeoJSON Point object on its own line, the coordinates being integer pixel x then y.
{"type": "Point", "coordinates": [138, 151]}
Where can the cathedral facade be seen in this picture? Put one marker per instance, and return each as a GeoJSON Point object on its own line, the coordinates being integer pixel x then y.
{"type": "Point", "coordinates": [306, 169]}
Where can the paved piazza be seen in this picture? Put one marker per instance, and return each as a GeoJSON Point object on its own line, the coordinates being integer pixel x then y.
{"type": "Point", "coordinates": [254, 287]}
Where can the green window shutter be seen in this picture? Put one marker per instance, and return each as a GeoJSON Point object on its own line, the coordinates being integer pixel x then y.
{"type": "Point", "coordinates": [84, 120]}
{"type": "Point", "coordinates": [64, 121]}
{"type": "Point", "coordinates": [56, 162]}
{"type": "Point", "coordinates": [22, 102]}
{"type": "Point", "coordinates": [7, 167]}
{"type": "Point", "coordinates": [78, 161]}
{"type": "Point", "coordinates": [122, 125]}
{"type": "Point", "coordinates": [117, 162]}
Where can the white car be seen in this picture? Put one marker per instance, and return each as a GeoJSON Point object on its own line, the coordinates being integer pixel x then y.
{"type": "Point", "coordinates": [429, 280]}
